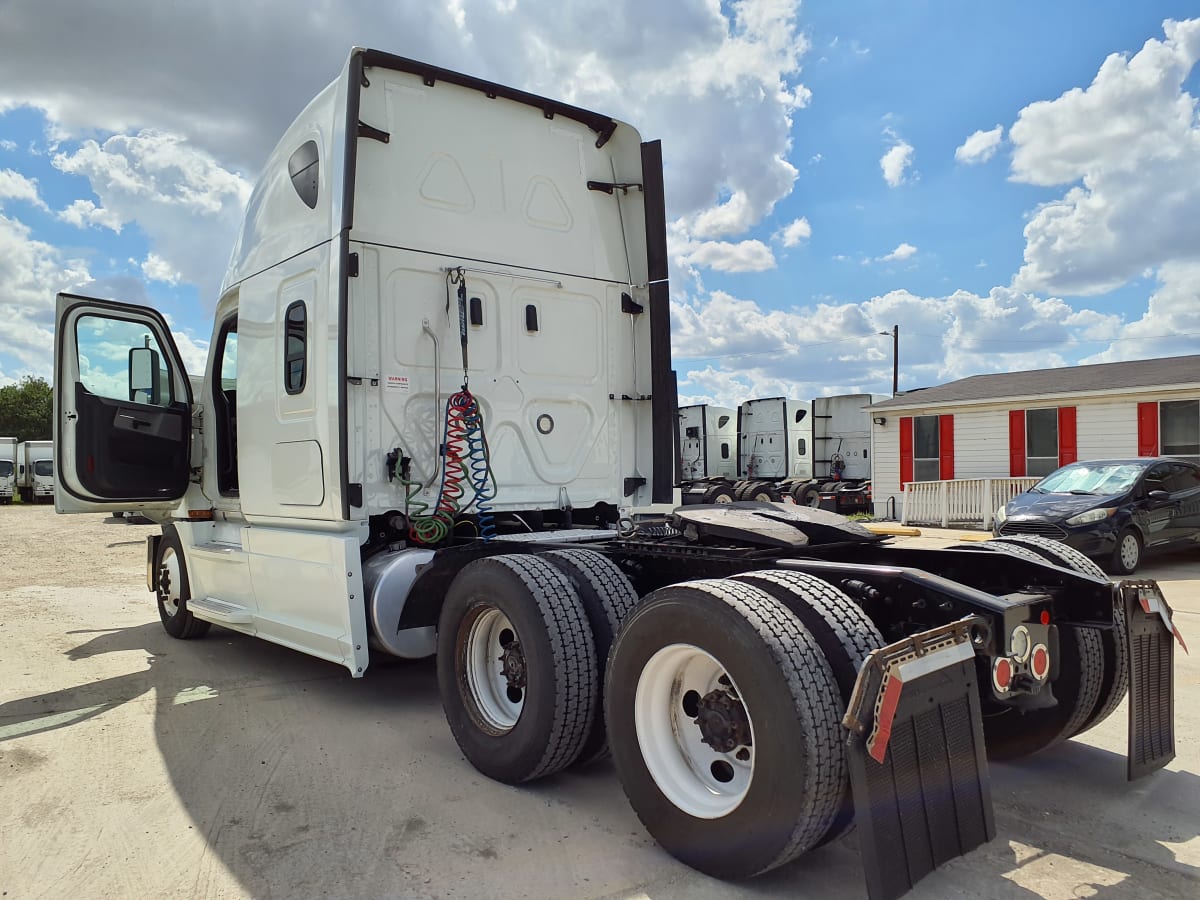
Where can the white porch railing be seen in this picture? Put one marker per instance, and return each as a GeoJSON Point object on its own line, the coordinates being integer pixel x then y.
{"type": "Point", "coordinates": [963, 501]}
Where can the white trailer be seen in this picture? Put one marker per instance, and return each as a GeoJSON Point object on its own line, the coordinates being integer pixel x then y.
{"type": "Point", "coordinates": [35, 471]}
{"type": "Point", "coordinates": [8, 468]}
{"type": "Point", "coordinates": [439, 376]}
{"type": "Point", "coordinates": [707, 442]}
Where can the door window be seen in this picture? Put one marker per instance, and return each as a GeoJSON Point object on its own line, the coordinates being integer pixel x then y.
{"type": "Point", "coordinates": [121, 360]}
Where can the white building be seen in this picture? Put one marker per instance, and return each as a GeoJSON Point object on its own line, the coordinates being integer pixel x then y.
{"type": "Point", "coordinates": [990, 436]}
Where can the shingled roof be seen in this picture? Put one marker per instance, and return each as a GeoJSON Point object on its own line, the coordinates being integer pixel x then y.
{"type": "Point", "coordinates": [1117, 376]}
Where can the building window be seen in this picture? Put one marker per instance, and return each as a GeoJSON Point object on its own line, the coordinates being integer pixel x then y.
{"type": "Point", "coordinates": [1041, 441]}
{"type": "Point", "coordinates": [295, 348]}
{"type": "Point", "coordinates": [926, 458]}
{"type": "Point", "coordinates": [926, 448]}
{"type": "Point", "coordinates": [1179, 428]}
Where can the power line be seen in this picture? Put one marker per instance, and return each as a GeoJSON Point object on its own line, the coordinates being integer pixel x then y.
{"type": "Point", "coordinates": [972, 344]}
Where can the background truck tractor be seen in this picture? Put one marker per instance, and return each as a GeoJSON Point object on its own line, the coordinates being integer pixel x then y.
{"type": "Point", "coordinates": [8, 468]}
{"type": "Point", "coordinates": [708, 445]}
{"type": "Point", "coordinates": [813, 453]}
{"type": "Point", "coordinates": [439, 377]}
{"type": "Point", "coordinates": [35, 471]}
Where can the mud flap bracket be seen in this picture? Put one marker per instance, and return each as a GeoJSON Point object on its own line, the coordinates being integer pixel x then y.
{"type": "Point", "coordinates": [918, 765]}
{"type": "Point", "coordinates": [1151, 635]}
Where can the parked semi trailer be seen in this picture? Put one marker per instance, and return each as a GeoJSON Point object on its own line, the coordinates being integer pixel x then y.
{"type": "Point", "coordinates": [439, 379]}
{"type": "Point", "coordinates": [814, 453]}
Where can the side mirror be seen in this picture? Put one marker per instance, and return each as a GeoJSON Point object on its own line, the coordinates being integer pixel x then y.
{"type": "Point", "coordinates": [1158, 495]}
{"type": "Point", "coordinates": [145, 376]}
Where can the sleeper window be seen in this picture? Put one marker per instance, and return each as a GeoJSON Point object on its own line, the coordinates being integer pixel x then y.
{"type": "Point", "coordinates": [295, 349]}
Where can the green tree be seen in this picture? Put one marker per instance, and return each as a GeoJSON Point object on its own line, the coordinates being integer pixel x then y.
{"type": "Point", "coordinates": [27, 410]}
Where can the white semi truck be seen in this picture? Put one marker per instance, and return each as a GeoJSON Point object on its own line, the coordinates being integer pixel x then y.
{"type": "Point", "coordinates": [707, 442]}
{"type": "Point", "coordinates": [815, 453]}
{"type": "Point", "coordinates": [35, 471]}
{"type": "Point", "coordinates": [439, 377]}
{"type": "Point", "coordinates": [8, 468]}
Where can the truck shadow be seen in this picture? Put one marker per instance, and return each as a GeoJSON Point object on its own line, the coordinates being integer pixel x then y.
{"type": "Point", "coordinates": [306, 782]}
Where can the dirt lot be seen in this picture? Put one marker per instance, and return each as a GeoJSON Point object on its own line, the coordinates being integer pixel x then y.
{"type": "Point", "coordinates": [134, 765]}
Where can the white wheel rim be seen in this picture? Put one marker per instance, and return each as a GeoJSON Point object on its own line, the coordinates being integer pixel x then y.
{"type": "Point", "coordinates": [1129, 551]}
{"type": "Point", "coordinates": [169, 573]}
{"type": "Point", "coordinates": [490, 636]}
{"type": "Point", "coordinates": [723, 498]}
{"type": "Point", "coordinates": [692, 775]}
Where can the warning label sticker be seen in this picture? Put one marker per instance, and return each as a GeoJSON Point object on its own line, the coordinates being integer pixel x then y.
{"type": "Point", "coordinates": [398, 383]}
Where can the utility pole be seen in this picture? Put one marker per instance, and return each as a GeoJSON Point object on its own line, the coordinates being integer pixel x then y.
{"type": "Point", "coordinates": [895, 333]}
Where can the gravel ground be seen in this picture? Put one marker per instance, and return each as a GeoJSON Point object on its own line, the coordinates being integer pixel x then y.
{"type": "Point", "coordinates": [134, 765]}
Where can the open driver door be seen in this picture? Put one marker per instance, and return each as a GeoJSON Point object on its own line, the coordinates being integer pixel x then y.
{"type": "Point", "coordinates": [122, 409]}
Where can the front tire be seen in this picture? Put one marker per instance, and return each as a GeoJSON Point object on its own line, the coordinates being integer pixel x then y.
{"type": "Point", "coordinates": [1127, 555]}
{"type": "Point", "coordinates": [174, 590]}
{"type": "Point", "coordinates": [761, 781]}
{"type": "Point", "coordinates": [517, 669]}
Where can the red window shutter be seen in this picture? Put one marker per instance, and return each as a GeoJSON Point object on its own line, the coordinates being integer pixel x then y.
{"type": "Point", "coordinates": [906, 451]}
{"type": "Point", "coordinates": [946, 447]}
{"type": "Point", "coordinates": [1148, 429]}
{"type": "Point", "coordinates": [1068, 447]}
{"type": "Point", "coordinates": [1016, 443]}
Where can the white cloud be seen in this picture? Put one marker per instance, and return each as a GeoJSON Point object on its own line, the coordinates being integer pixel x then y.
{"type": "Point", "coordinates": [1170, 325]}
{"type": "Point", "coordinates": [15, 186]}
{"type": "Point", "coordinates": [896, 161]}
{"type": "Point", "coordinates": [902, 252]}
{"type": "Point", "coordinates": [723, 256]}
{"type": "Point", "coordinates": [8, 145]}
{"type": "Point", "coordinates": [980, 146]}
{"type": "Point", "coordinates": [1128, 148]}
{"type": "Point", "coordinates": [83, 213]}
{"type": "Point", "coordinates": [186, 203]}
{"type": "Point", "coordinates": [31, 273]}
{"type": "Point", "coordinates": [795, 233]}
{"type": "Point", "coordinates": [156, 268]}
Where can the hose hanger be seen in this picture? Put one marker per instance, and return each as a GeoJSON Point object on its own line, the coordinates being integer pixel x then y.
{"type": "Point", "coordinates": [457, 276]}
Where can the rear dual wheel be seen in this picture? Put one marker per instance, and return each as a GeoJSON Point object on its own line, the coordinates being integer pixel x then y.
{"type": "Point", "coordinates": [724, 721]}
{"type": "Point", "coordinates": [1114, 680]}
{"type": "Point", "coordinates": [522, 640]}
{"type": "Point", "coordinates": [1011, 733]}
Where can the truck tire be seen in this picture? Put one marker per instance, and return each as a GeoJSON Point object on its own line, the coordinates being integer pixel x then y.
{"type": "Point", "coordinates": [173, 590]}
{"type": "Point", "coordinates": [719, 493]}
{"type": "Point", "coordinates": [608, 599]}
{"type": "Point", "coordinates": [806, 494]}
{"type": "Point", "coordinates": [845, 634]}
{"type": "Point", "coordinates": [1115, 682]}
{"type": "Point", "coordinates": [829, 487]}
{"type": "Point", "coordinates": [1012, 734]}
{"type": "Point", "coordinates": [769, 784]}
{"type": "Point", "coordinates": [516, 666]}
{"type": "Point", "coordinates": [762, 492]}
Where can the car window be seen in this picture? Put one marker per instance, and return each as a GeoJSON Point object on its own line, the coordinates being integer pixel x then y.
{"type": "Point", "coordinates": [1182, 478]}
{"type": "Point", "coordinates": [1156, 478]}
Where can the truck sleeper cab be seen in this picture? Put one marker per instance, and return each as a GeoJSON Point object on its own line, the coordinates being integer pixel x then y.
{"type": "Point", "coordinates": [439, 378]}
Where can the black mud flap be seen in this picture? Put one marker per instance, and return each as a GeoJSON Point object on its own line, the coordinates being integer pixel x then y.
{"type": "Point", "coordinates": [918, 765]}
{"type": "Point", "coordinates": [1151, 636]}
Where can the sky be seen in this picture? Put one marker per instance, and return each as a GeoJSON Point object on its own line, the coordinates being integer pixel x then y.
{"type": "Point", "coordinates": [1014, 185]}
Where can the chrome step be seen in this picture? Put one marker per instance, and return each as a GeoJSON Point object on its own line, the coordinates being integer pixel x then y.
{"type": "Point", "coordinates": [220, 611]}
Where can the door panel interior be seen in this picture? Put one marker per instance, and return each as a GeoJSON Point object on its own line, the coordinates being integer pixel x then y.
{"type": "Point", "coordinates": [131, 451]}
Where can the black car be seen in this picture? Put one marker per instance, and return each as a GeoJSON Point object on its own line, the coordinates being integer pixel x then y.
{"type": "Point", "coordinates": [1111, 509]}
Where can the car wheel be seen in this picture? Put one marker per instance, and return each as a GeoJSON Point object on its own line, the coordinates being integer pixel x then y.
{"type": "Point", "coordinates": [1127, 555]}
